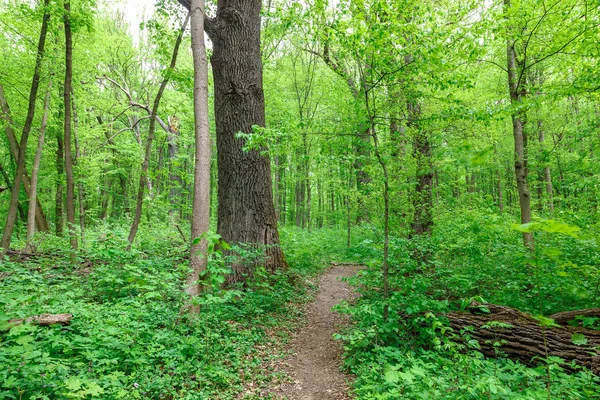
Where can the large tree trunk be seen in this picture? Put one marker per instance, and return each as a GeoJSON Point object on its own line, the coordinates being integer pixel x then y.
{"type": "Point", "coordinates": [201, 202]}
{"type": "Point", "coordinates": [14, 200]}
{"type": "Point", "coordinates": [67, 127]}
{"type": "Point", "coordinates": [246, 213]}
{"type": "Point", "coordinates": [526, 340]}
{"type": "Point", "coordinates": [517, 92]}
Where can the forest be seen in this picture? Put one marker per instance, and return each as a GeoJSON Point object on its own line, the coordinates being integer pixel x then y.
{"type": "Point", "coordinates": [187, 188]}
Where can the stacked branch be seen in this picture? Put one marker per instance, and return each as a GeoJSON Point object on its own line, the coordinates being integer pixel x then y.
{"type": "Point", "coordinates": [526, 339]}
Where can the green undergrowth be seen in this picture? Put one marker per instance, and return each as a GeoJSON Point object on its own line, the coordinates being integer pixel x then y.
{"type": "Point", "coordinates": [128, 338]}
{"type": "Point", "coordinates": [470, 256]}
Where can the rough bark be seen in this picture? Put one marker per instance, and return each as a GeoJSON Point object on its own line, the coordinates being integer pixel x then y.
{"type": "Point", "coordinates": [526, 340]}
{"type": "Point", "coordinates": [67, 127]}
{"type": "Point", "coordinates": [153, 119]}
{"type": "Point", "coordinates": [35, 170]}
{"type": "Point", "coordinates": [14, 201]}
{"type": "Point", "coordinates": [201, 201]}
{"type": "Point", "coordinates": [246, 214]}
{"type": "Point", "coordinates": [564, 317]}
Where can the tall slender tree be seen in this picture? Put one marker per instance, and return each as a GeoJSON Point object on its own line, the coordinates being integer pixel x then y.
{"type": "Point", "coordinates": [67, 92]}
{"type": "Point", "coordinates": [16, 188]}
{"type": "Point", "coordinates": [151, 130]}
{"type": "Point", "coordinates": [201, 203]}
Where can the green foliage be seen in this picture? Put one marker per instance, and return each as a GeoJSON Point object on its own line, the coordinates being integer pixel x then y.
{"type": "Point", "coordinates": [127, 339]}
{"type": "Point", "coordinates": [471, 256]}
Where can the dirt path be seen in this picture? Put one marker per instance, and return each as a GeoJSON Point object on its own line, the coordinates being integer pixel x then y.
{"type": "Point", "coordinates": [316, 359]}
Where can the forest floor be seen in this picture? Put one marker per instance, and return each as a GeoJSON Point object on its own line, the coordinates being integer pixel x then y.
{"type": "Point", "coordinates": [314, 363]}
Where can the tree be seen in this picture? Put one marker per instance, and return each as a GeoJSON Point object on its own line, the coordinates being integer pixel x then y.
{"type": "Point", "coordinates": [201, 203]}
{"type": "Point", "coordinates": [153, 119]}
{"type": "Point", "coordinates": [67, 93]}
{"type": "Point", "coordinates": [35, 170]}
{"type": "Point", "coordinates": [245, 214]}
{"type": "Point", "coordinates": [16, 188]}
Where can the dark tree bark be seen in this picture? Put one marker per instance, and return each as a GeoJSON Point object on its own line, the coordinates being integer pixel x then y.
{"type": "Point", "coordinates": [526, 339]}
{"type": "Point", "coordinates": [246, 214]}
{"type": "Point", "coordinates": [14, 200]}
{"type": "Point", "coordinates": [67, 127]}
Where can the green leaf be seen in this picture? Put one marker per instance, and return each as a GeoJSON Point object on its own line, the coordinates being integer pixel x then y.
{"type": "Point", "coordinates": [579, 339]}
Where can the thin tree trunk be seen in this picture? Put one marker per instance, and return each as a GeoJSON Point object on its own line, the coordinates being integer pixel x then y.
{"type": "Point", "coordinates": [546, 176]}
{"type": "Point", "coordinates": [14, 201]}
{"type": "Point", "coordinates": [67, 127]}
{"type": "Point", "coordinates": [175, 183]}
{"type": "Point", "coordinates": [201, 202]}
{"type": "Point", "coordinates": [499, 189]}
{"type": "Point", "coordinates": [422, 200]}
{"type": "Point", "coordinates": [9, 187]}
{"type": "Point", "coordinates": [80, 187]}
{"type": "Point", "coordinates": [516, 92]}
{"type": "Point", "coordinates": [35, 171]}
{"type": "Point", "coordinates": [40, 218]}
{"type": "Point", "coordinates": [59, 218]}
{"type": "Point", "coordinates": [144, 174]}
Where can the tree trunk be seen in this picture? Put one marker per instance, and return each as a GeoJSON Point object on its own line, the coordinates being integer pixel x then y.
{"type": "Point", "coordinates": [59, 218]}
{"type": "Point", "coordinates": [525, 340]}
{"type": "Point", "coordinates": [14, 200]}
{"type": "Point", "coordinates": [35, 170]}
{"type": "Point", "coordinates": [9, 187]}
{"type": "Point", "coordinates": [246, 213]}
{"type": "Point", "coordinates": [422, 200]}
{"type": "Point", "coordinates": [546, 176]}
{"type": "Point", "coordinates": [67, 127]}
{"type": "Point", "coordinates": [517, 92]}
{"type": "Point", "coordinates": [499, 189]}
{"type": "Point", "coordinates": [175, 183]}
{"type": "Point", "coordinates": [145, 164]}
{"type": "Point", "coordinates": [40, 218]}
{"type": "Point", "coordinates": [201, 202]}
{"type": "Point", "coordinates": [80, 187]}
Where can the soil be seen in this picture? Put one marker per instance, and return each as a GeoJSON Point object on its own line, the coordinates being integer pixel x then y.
{"type": "Point", "coordinates": [314, 365]}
